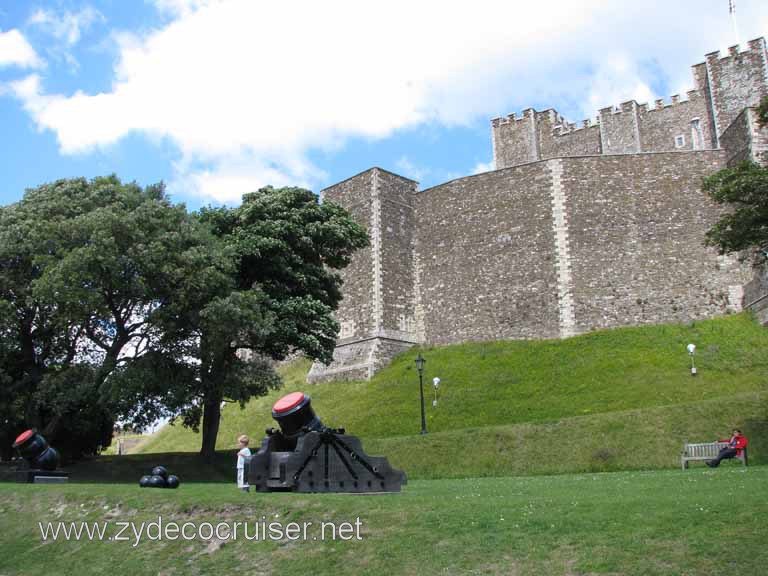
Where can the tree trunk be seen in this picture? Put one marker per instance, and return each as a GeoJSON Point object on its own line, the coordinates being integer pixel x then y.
{"type": "Point", "coordinates": [211, 419]}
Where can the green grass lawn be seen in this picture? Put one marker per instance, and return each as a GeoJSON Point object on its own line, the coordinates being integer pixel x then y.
{"type": "Point", "coordinates": [504, 483]}
{"type": "Point", "coordinates": [701, 522]}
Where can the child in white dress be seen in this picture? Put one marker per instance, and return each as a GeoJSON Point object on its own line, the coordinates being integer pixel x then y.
{"type": "Point", "coordinates": [243, 456]}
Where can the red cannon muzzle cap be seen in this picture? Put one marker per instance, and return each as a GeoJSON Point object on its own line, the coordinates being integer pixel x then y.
{"type": "Point", "coordinates": [288, 402]}
{"type": "Point", "coordinates": [23, 437]}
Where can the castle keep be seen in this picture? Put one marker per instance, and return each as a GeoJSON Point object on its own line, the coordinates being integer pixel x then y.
{"type": "Point", "coordinates": [577, 228]}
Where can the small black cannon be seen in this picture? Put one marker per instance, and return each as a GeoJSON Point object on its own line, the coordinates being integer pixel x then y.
{"type": "Point", "coordinates": [41, 459]}
{"type": "Point", "coordinates": [306, 456]}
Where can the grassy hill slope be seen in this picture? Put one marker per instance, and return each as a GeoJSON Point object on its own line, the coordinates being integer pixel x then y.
{"type": "Point", "coordinates": [615, 376]}
{"type": "Point", "coordinates": [629, 440]}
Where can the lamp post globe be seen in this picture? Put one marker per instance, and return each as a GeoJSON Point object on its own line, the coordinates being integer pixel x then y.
{"type": "Point", "coordinates": [691, 352]}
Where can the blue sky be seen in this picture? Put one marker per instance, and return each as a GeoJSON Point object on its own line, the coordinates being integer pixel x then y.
{"type": "Point", "coordinates": [218, 98]}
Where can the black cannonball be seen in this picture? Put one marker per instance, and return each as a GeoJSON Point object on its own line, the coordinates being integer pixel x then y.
{"type": "Point", "coordinates": [156, 481]}
{"type": "Point", "coordinates": [172, 482]}
{"type": "Point", "coordinates": [144, 482]}
{"type": "Point", "coordinates": [160, 471]}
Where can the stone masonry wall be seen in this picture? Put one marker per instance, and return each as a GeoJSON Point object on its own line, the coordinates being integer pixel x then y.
{"type": "Point", "coordinates": [619, 129]}
{"type": "Point", "coordinates": [558, 137]}
{"type": "Point", "coordinates": [487, 257]}
{"type": "Point", "coordinates": [660, 126]}
{"type": "Point", "coordinates": [376, 315]}
{"type": "Point", "coordinates": [543, 250]}
{"type": "Point", "coordinates": [636, 229]}
{"type": "Point", "coordinates": [356, 321]}
{"type": "Point", "coordinates": [515, 139]}
{"type": "Point", "coordinates": [396, 195]}
{"type": "Point", "coordinates": [745, 139]}
{"type": "Point", "coordinates": [737, 139]}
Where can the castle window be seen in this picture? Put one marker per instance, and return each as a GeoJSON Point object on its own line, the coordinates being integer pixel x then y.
{"type": "Point", "coordinates": [679, 141]}
{"type": "Point", "coordinates": [696, 136]}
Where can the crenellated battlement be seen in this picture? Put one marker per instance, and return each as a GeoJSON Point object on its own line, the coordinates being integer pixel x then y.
{"type": "Point", "coordinates": [723, 86]}
{"type": "Point", "coordinates": [563, 128]}
{"type": "Point", "coordinates": [753, 48]}
{"type": "Point", "coordinates": [513, 117]}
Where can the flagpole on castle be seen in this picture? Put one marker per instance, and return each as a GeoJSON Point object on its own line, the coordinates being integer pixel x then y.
{"type": "Point", "coordinates": [732, 12]}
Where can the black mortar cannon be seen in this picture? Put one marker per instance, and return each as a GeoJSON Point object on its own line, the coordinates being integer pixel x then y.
{"type": "Point", "coordinates": [41, 459]}
{"type": "Point", "coordinates": [306, 456]}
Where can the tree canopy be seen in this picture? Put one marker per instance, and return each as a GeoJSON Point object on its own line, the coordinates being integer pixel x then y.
{"type": "Point", "coordinates": [115, 303]}
{"type": "Point", "coordinates": [286, 249]}
{"type": "Point", "coordinates": [744, 188]}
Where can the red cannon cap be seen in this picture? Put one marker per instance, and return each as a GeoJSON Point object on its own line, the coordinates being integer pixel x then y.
{"type": "Point", "coordinates": [288, 402]}
{"type": "Point", "coordinates": [24, 436]}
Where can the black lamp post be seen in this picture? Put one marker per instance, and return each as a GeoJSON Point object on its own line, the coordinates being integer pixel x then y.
{"type": "Point", "coordinates": [420, 367]}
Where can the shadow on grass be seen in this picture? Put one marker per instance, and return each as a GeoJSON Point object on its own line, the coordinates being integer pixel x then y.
{"type": "Point", "coordinates": [128, 469]}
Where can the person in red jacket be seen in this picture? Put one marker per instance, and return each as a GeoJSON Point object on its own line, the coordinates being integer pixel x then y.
{"type": "Point", "coordinates": [736, 445]}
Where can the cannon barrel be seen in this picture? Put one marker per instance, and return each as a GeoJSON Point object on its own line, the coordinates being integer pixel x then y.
{"type": "Point", "coordinates": [295, 415]}
{"type": "Point", "coordinates": [36, 451]}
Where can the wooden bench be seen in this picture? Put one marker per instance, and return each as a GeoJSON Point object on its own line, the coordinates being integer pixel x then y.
{"type": "Point", "coordinates": [706, 451]}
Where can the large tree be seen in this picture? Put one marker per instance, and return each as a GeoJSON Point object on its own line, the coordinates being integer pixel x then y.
{"type": "Point", "coordinates": [116, 303]}
{"type": "Point", "coordinates": [90, 276]}
{"type": "Point", "coordinates": [288, 248]}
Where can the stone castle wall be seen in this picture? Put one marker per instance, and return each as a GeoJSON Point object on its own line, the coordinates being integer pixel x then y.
{"type": "Point", "coordinates": [580, 228]}
{"type": "Point", "coordinates": [564, 246]}
{"type": "Point", "coordinates": [377, 313]}
{"type": "Point", "coordinates": [356, 322]}
{"type": "Point", "coordinates": [636, 227]}
{"type": "Point", "coordinates": [486, 257]}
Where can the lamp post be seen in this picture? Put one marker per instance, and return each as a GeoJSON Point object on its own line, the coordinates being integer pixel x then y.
{"type": "Point", "coordinates": [420, 367]}
{"type": "Point", "coordinates": [691, 352]}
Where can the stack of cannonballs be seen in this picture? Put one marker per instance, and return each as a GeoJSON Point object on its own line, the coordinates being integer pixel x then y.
{"type": "Point", "coordinates": [159, 479]}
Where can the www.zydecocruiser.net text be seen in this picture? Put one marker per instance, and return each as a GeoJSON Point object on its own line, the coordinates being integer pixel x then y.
{"type": "Point", "coordinates": [161, 530]}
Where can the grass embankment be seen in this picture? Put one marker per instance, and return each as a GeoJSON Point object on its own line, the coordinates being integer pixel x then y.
{"type": "Point", "coordinates": [630, 440]}
{"type": "Point", "coordinates": [703, 522]}
{"type": "Point", "coordinates": [610, 400]}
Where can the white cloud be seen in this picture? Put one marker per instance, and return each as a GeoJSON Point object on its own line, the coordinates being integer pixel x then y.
{"type": "Point", "coordinates": [176, 8]}
{"type": "Point", "coordinates": [246, 89]}
{"type": "Point", "coordinates": [234, 176]}
{"type": "Point", "coordinates": [65, 26]}
{"type": "Point", "coordinates": [410, 170]}
{"type": "Point", "coordinates": [270, 81]}
{"type": "Point", "coordinates": [616, 80]}
{"type": "Point", "coordinates": [16, 51]}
